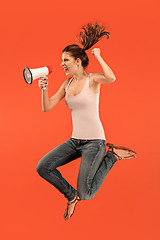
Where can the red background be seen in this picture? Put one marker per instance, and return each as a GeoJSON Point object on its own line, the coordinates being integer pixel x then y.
{"type": "Point", "coordinates": [33, 34]}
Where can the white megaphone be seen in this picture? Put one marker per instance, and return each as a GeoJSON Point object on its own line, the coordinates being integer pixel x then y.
{"type": "Point", "coordinates": [31, 74]}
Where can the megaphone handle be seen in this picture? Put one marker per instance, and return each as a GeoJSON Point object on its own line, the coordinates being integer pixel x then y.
{"type": "Point", "coordinates": [44, 88]}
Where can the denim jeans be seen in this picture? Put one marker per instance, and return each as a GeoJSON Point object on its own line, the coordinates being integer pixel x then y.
{"type": "Point", "coordinates": [94, 166]}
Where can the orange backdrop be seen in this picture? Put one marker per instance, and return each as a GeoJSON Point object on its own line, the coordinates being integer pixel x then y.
{"type": "Point", "coordinates": [33, 34]}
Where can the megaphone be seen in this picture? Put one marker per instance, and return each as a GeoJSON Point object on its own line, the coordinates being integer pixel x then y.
{"type": "Point", "coordinates": [32, 74]}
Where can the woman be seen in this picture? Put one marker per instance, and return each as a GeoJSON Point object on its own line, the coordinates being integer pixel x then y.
{"type": "Point", "coordinates": [88, 140]}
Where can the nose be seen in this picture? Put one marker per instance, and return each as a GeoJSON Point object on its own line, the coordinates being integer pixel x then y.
{"type": "Point", "coordinates": [62, 63]}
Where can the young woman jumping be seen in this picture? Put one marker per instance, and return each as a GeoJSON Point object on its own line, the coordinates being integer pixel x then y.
{"type": "Point", "coordinates": [81, 93]}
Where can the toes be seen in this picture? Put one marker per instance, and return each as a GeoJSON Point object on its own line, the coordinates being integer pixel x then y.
{"type": "Point", "coordinates": [66, 214]}
{"type": "Point", "coordinates": [132, 156]}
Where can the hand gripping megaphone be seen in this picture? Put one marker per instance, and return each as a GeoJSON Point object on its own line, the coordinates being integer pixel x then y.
{"type": "Point", "coordinates": [32, 74]}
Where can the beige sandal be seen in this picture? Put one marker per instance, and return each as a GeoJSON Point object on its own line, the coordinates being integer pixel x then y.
{"type": "Point", "coordinates": [111, 146]}
{"type": "Point", "coordinates": [74, 201]}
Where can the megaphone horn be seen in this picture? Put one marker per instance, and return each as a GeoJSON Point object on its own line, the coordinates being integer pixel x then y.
{"type": "Point", "coordinates": [31, 74]}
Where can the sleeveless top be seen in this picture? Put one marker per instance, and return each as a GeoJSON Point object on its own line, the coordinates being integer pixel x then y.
{"type": "Point", "coordinates": [85, 113]}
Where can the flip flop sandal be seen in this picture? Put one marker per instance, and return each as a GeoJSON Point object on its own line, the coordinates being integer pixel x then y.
{"type": "Point", "coordinates": [69, 203]}
{"type": "Point", "coordinates": [111, 146]}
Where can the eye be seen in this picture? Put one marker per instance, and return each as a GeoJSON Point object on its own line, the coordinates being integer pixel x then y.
{"type": "Point", "coordinates": [65, 60]}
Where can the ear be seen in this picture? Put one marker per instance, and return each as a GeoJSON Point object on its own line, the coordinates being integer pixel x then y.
{"type": "Point", "coordinates": [78, 60]}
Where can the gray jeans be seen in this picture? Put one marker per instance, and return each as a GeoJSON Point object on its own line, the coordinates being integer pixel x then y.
{"type": "Point", "coordinates": [94, 166]}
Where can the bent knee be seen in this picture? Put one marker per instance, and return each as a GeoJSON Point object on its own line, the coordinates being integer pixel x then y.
{"type": "Point", "coordinates": [85, 196]}
{"type": "Point", "coordinates": [40, 168]}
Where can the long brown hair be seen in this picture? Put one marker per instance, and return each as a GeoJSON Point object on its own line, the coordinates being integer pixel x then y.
{"type": "Point", "coordinates": [90, 34]}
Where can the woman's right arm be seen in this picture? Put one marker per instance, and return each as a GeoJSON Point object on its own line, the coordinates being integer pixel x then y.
{"type": "Point", "coordinates": [49, 103]}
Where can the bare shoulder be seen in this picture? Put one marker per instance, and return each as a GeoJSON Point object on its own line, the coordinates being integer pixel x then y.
{"type": "Point", "coordinates": [59, 95]}
{"type": "Point", "coordinates": [64, 84]}
{"type": "Point", "coordinates": [93, 78]}
{"type": "Point", "coordinates": [99, 78]}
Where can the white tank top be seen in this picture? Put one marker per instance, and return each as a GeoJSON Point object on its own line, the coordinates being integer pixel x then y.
{"type": "Point", "coordinates": [85, 113]}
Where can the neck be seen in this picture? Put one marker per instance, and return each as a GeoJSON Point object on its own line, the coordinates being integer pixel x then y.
{"type": "Point", "coordinates": [78, 76]}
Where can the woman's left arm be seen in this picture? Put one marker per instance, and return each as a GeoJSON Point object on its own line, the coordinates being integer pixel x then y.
{"type": "Point", "coordinates": [108, 75]}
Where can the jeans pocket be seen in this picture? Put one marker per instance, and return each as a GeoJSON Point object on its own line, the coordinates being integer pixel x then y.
{"type": "Point", "coordinates": [94, 145]}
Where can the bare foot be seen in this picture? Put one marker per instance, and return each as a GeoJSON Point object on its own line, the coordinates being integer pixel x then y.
{"type": "Point", "coordinates": [123, 153]}
{"type": "Point", "coordinates": [70, 208]}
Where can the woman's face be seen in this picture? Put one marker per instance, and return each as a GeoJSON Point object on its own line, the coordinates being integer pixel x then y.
{"type": "Point", "coordinates": [69, 64]}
